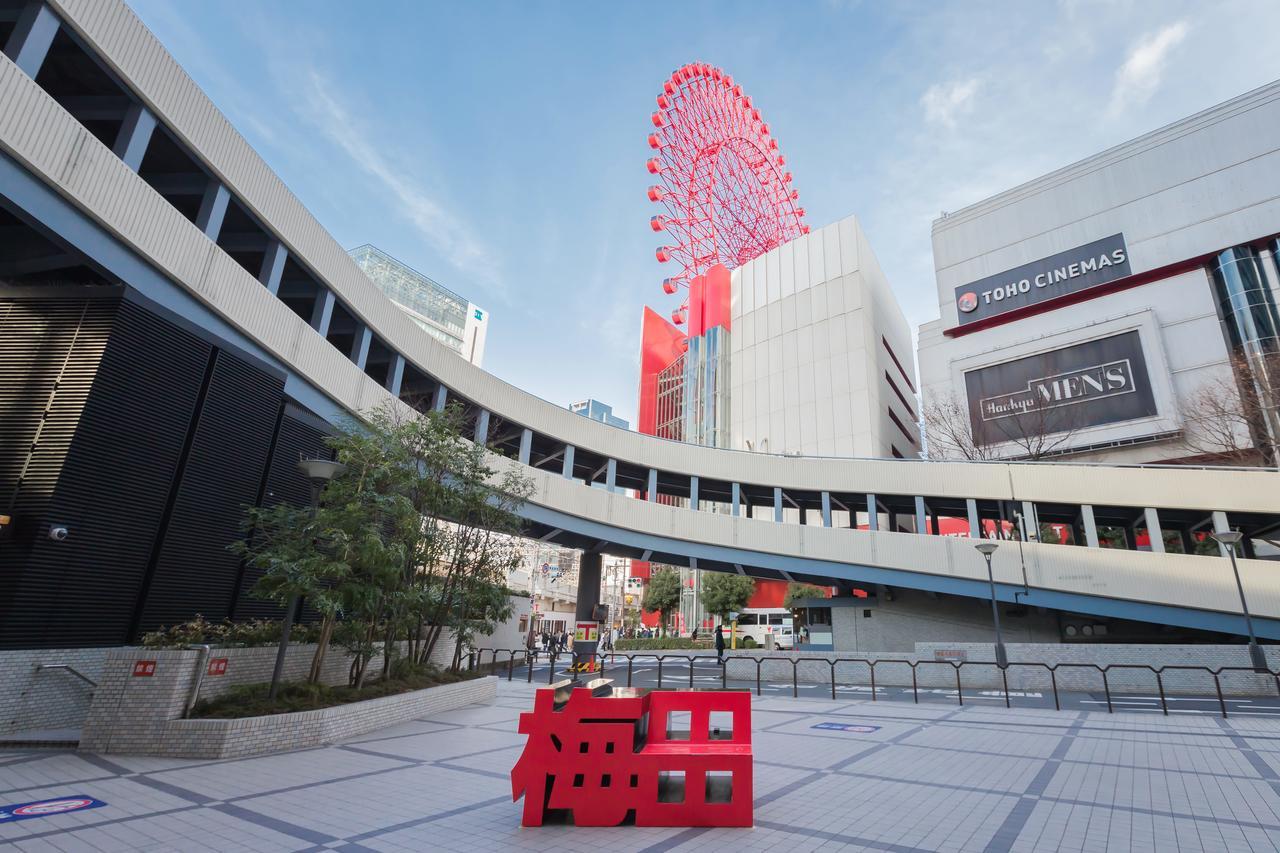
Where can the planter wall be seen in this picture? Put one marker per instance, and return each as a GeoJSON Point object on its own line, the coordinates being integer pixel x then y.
{"type": "Point", "coordinates": [139, 704]}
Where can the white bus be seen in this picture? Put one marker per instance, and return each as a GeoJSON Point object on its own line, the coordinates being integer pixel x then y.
{"type": "Point", "coordinates": [755, 623]}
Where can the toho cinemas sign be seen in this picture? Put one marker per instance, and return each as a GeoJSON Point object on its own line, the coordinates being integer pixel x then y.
{"type": "Point", "coordinates": [1071, 271]}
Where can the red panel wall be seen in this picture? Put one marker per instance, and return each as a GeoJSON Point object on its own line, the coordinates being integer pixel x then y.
{"type": "Point", "coordinates": [660, 344]}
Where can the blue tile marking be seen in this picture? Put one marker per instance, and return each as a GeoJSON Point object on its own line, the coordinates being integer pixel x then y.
{"type": "Point", "coordinates": [47, 808]}
{"type": "Point", "coordinates": [857, 728]}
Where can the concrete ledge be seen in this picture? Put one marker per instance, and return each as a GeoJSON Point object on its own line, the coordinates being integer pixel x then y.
{"type": "Point", "coordinates": [304, 729]}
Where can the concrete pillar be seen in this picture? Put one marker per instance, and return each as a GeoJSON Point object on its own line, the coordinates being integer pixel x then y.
{"type": "Point", "coordinates": [651, 493]}
{"type": "Point", "coordinates": [777, 504]}
{"type": "Point", "coordinates": [440, 399]}
{"type": "Point", "coordinates": [360, 346]}
{"type": "Point", "coordinates": [273, 266]}
{"type": "Point", "coordinates": [736, 499]}
{"type": "Point", "coordinates": [526, 444]}
{"type": "Point", "coordinates": [1030, 522]}
{"type": "Point", "coordinates": [322, 312]}
{"type": "Point", "coordinates": [693, 493]}
{"type": "Point", "coordinates": [482, 428]}
{"type": "Point", "coordinates": [826, 509]}
{"type": "Point", "coordinates": [975, 524]}
{"type": "Point", "coordinates": [567, 468]}
{"type": "Point", "coordinates": [29, 43]}
{"type": "Point", "coordinates": [873, 514]}
{"type": "Point", "coordinates": [588, 585]}
{"type": "Point", "coordinates": [1188, 543]}
{"type": "Point", "coordinates": [134, 135]}
{"type": "Point", "coordinates": [213, 208]}
{"type": "Point", "coordinates": [611, 475]}
{"type": "Point", "coordinates": [1154, 533]}
{"type": "Point", "coordinates": [1221, 525]}
{"type": "Point", "coordinates": [395, 375]}
{"type": "Point", "coordinates": [922, 520]}
{"type": "Point", "coordinates": [1090, 526]}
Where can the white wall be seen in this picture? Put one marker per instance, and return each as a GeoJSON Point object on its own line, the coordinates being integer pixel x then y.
{"type": "Point", "coordinates": [807, 364]}
{"type": "Point", "coordinates": [1198, 186]}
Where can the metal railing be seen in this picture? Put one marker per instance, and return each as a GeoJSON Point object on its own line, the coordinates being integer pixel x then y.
{"type": "Point", "coordinates": [40, 667]}
{"type": "Point", "coordinates": [528, 659]}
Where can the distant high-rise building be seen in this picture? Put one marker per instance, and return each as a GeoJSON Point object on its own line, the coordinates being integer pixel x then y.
{"type": "Point", "coordinates": [458, 324]}
{"type": "Point", "coordinates": [598, 411]}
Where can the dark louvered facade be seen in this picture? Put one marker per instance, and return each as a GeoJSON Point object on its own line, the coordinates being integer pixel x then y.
{"type": "Point", "coordinates": [145, 440]}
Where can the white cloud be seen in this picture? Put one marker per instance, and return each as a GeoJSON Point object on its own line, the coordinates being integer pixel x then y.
{"type": "Point", "coordinates": [1139, 76]}
{"type": "Point", "coordinates": [443, 230]}
{"type": "Point", "coordinates": [945, 102]}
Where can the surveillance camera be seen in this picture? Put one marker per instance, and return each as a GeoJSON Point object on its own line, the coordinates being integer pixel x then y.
{"type": "Point", "coordinates": [58, 534]}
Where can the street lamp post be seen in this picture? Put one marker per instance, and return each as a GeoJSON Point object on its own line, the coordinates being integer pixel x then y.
{"type": "Point", "coordinates": [318, 472]}
{"type": "Point", "coordinates": [986, 549]}
{"type": "Point", "coordinates": [1231, 538]}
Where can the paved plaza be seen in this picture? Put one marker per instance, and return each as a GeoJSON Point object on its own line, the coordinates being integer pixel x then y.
{"type": "Point", "coordinates": [928, 778]}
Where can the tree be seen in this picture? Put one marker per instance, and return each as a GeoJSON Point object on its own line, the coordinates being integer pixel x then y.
{"type": "Point", "coordinates": [723, 593]}
{"type": "Point", "coordinates": [797, 592]}
{"type": "Point", "coordinates": [414, 537]}
{"type": "Point", "coordinates": [662, 595]}
{"type": "Point", "coordinates": [1232, 419]}
{"type": "Point", "coordinates": [1036, 433]}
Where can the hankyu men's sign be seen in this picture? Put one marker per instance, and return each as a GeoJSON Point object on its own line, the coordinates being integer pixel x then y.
{"type": "Point", "coordinates": [1083, 385]}
{"type": "Point", "coordinates": [1066, 272]}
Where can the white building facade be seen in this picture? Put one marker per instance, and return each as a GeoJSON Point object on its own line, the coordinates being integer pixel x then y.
{"type": "Point", "coordinates": [820, 356]}
{"type": "Point", "coordinates": [1097, 302]}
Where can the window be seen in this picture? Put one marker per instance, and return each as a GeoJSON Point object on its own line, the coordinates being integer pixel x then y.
{"type": "Point", "coordinates": [775, 618]}
{"type": "Point", "coordinates": [747, 619]}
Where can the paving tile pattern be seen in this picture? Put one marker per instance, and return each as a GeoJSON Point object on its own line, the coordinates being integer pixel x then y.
{"type": "Point", "coordinates": [931, 778]}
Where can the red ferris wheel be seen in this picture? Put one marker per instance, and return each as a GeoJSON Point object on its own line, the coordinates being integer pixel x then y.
{"type": "Point", "coordinates": [722, 179]}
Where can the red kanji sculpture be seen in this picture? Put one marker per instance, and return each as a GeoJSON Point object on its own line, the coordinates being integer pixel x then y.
{"type": "Point", "coordinates": [603, 756]}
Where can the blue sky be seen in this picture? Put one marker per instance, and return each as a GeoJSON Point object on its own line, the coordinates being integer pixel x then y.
{"type": "Point", "coordinates": [500, 148]}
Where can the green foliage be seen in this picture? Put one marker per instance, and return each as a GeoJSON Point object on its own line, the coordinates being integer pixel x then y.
{"type": "Point", "coordinates": [414, 537]}
{"type": "Point", "coordinates": [724, 593]}
{"type": "Point", "coordinates": [648, 644]}
{"type": "Point", "coordinates": [662, 594]}
{"type": "Point", "coordinates": [199, 631]}
{"type": "Point", "coordinates": [250, 700]}
{"type": "Point", "coordinates": [797, 592]}
{"type": "Point", "coordinates": [748, 642]}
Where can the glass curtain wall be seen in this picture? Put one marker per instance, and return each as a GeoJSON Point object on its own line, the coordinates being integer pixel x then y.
{"type": "Point", "coordinates": [1246, 279]}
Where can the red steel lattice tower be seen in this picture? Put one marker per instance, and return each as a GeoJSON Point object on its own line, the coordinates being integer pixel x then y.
{"type": "Point", "coordinates": [722, 179]}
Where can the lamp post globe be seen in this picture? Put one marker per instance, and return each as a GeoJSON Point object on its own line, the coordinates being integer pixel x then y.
{"type": "Point", "coordinates": [986, 548]}
{"type": "Point", "coordinates": [1229, 539]}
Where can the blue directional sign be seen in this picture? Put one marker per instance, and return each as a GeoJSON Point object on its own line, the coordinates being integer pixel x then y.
{"type": "Point", "coordinates": [46, 808]}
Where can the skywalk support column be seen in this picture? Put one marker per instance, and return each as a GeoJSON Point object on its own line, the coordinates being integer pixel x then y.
{"type": "Point", "coordinates": [1154, 534]}
{"type": "Point", "coordinates": [737, 499]}
{"type": "Point", "coordinates": [975, 527]}
{"type": "Point", "coordinates": [777, 504]}
{"type": "Point", "coordinates": [135, 133]}
{"type": "Point", "coordinates": [588, 598]}
{"type": "Point", "coordinates": [873, 514]}
{"type": "Point", "coordinates": [826, 509]}
{"type": "Point", "coordinates": [32, 36]}
{"type": "Point", "coordinates": [273, 266]}
{"type": "Point", "coordinates": [1090, 526]}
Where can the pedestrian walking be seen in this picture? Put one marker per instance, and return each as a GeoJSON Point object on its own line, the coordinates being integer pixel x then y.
{"type": "Point", "coordinates": [720, 644]}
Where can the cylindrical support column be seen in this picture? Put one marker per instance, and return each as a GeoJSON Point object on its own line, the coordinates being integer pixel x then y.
{"type": "Point", "coordinates": [588, 598]}
{"type": "Point", "coordinates": [441, 399]}
{"type": "Point", "coordinates": [526, 444]}
{"type": "Point", "coordinates": [482, 428]}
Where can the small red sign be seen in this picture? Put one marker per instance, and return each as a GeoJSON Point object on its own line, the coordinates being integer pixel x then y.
{"type": "Point", "coordinates": [144, 668]}
{"type": "Point", "coordinates": [217, 666]}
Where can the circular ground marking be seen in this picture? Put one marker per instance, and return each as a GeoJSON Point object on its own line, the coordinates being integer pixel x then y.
{"type": "Point", "coordinates": [51, 807]}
